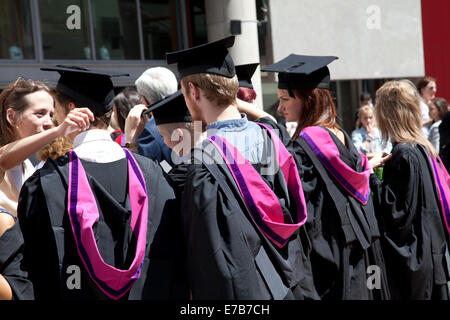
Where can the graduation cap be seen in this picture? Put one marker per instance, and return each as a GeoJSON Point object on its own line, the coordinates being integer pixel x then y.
{"type": "Point", "coordinates": [212, 57]}
{"type": "Point", "coordinates": [298, 71]}
{"type": "Point", "coordinates": [91, 88]}
{"type": "Point", "coordinates": [244, 73]}
{"type": "Point", "coordinates": [170, 110]}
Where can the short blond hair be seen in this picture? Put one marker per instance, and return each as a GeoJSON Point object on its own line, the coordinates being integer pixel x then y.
{"type": "Point", "coordinates": [218, 89]}
{"type": "Point", "coordinates": [398, 113]}
{"type": "Point", "coordinates": [365, 109]}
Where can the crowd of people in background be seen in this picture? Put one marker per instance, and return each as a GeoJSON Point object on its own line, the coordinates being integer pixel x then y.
{"type": "Point", "coordinates": [183, 188]}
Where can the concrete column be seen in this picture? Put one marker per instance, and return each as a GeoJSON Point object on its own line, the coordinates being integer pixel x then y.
{"type": "Point", "coordinates": [219, 13]}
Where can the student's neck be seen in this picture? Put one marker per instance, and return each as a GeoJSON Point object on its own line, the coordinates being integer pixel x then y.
{"type": "Point", "coordinates": [216, 113]}
{"type": "Point", "coordinates": [73, 135]}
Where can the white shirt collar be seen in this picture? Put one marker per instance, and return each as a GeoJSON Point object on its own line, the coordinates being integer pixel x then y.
{"type": "Point", "coordinates": [97, 146]}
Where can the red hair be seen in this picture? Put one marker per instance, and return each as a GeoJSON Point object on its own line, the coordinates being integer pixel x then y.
{"type": "Point", "coordinates": [317, 109]}
{"type": "Point", "coordinates": [246, 94]}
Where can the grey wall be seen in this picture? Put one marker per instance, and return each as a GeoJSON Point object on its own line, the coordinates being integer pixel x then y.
{"type": "Point", "coordinates": [372, 38]}
{"type": "Point", "coordinates": [245, 49]}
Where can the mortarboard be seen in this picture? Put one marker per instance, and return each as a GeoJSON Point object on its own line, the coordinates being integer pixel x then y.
{"type": "Point", "coordinates": [299, 71]}
{"type": "Point", "coordinates": [170, 110]}
{"type": "Point", "coordinates": [244, 73]}
{"type": "Point", "coordinates": [91, 88]}
{"type": "Point", "coordinates": [212, 57]}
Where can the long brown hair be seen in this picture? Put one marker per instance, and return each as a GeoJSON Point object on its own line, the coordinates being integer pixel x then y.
{"type": "Point", "coordinates": [423, 82]}
{"type": "Point", "coordinates": [317, 109]}
{"type": "Point", "coordinates": [13, 97]}
{"type": "Point", "coordinates": [441, 105]}
{"type": "Point", "coordinates": [398, 114]}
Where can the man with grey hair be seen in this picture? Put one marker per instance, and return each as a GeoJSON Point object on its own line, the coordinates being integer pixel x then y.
{"type": "Point", "coordinates": [141, 134]}
{"type": "Point", "coordinates": [156, 84]}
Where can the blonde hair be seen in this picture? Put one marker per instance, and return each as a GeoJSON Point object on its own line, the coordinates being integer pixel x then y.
{"type": "Point", "coordinates": [398, 113]}
{"type": "Point", "coordinates": [363, 110]}
{"type": "Point", "coordinates": [218, 89]}
{"type": "Point", "coordinates": [58, 147]}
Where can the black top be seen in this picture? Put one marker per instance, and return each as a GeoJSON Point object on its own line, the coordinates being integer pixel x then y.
{"type": "Point", "coordinates": [50, 250]}
{"type": "Point", "coordinates": [415, 241]}
{"type": "Point", "coordinates": [444, 140]}
{"type": "Point", "coordinates": [11, 256]}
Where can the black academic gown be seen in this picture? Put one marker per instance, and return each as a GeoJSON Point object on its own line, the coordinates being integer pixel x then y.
{"type": "Point", "coordinates": [343, 232]}
{"type": "Point", "coordinates": [415, 242]}
{"type": "Point", "coordinates": [444, 141]}
{"type": "Point", "coordinates": [50, 250]}
{"type": "Point", "coordinates": [228, 256]}
{"type": "Point", "coordinates": [11, 256]}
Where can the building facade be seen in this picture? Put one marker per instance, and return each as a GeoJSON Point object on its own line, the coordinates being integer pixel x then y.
{"type": "Point", "coordinates": [123, 35]}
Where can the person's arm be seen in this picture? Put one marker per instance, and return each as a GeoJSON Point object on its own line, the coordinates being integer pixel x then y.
{"type": "Point", "coordinates": [16, 152]}
{"type": "Point", "coordinates": [5, 289]}
{"type": "Point", "coordinates": [6, 222]}
{"type": "Point", "coordinates": [434, 138]}
{"type": "Point", "coordinates": [378, 159]}
{"type": "Point", "coordinates": [426, 123]}
{"type": "Point", "coordinates": [134, 126]}
{"type": "Point", "coordinates": [357, 139]}
{"type": "Point", "coordinates": [252, 112]}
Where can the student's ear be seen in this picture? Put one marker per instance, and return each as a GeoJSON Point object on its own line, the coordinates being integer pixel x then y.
{"type": "Point", "coordinates": [11, 116]}
{"type": "Point", "coordinates": [194, 91]}
{"type": "Point", "coordinates": [180, 134]}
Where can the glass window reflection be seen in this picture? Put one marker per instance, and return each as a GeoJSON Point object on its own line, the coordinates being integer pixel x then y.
{"type": "Point", "coordinates": [65, 35]}
{"type": "Point", "coordinates": [116, 29]}
{"type": "Point", "coordinates": [198, 22]}
{"type": "Point", "coordinates": [159, 24]}
{"type": "Point", "coordinates": [16, 36]}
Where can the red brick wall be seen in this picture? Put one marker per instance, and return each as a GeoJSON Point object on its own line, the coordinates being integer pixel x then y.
{"type": "Point", "coordinates": [436, 41]}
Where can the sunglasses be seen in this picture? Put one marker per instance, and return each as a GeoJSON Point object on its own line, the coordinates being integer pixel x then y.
{"type": "Point", "coordinates": [20, 78]}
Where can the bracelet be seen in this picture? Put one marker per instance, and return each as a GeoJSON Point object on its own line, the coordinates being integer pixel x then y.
{"type": "Point", "coordinates": [131, 145]}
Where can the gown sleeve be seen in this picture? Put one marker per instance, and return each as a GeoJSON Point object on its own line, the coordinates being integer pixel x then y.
{"type": "Point", "coordinates": [35, 226]}
{"type": "Point", "coordinates": [279, 129]}
{"type": "Point", "coordinates": [11, 258]}
{"type": "Point", "coordinates": [396, 197]}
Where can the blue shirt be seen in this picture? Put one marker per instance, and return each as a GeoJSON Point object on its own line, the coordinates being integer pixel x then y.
{"type": "Point", "coordinates": [244, 135]}
{"type": "Point", "coordinates": [151, 143]}
{"type": "Point", "coordinates": [360, 135]}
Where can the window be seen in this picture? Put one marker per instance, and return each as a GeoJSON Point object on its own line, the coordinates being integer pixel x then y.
{"type": "Point", "coordinates": [16, 36]}
{"type": "Point", "coordinates": [116, 30]}
{"type": "Point", "coordinates": [59, 41]}
{"type": "Point", "coordinates": [159, 24]}
{"type": "Point", "coordinates": [198, 22]}
{"type": "Point", "coordinates": [99, 29]}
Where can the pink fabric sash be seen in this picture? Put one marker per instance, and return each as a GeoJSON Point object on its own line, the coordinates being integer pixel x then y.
{"type": "Point", "coordinates": [323, 146]}
{"type": "Point", "coordinates": [83, 214]}
{"type": "Point", "coordinates": [442, 180]}
{"type": "Point", "coordinates": [260, 200]}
